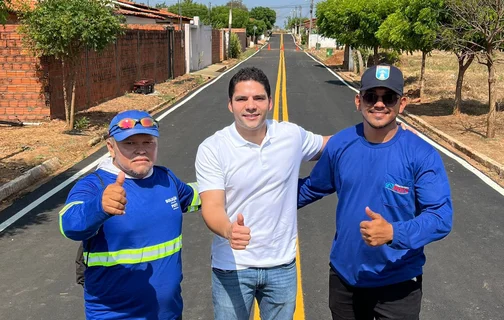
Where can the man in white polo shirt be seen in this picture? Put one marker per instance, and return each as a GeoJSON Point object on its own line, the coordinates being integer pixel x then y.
{"type": "Point", "coordinates": [248, 177]}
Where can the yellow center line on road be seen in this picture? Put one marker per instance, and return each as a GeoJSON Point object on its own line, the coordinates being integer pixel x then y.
{"type": "Point", "coordinates": [285, 112]}
{"type": "Point", "coordinates": [276, 115]}
{"type": "Point", "coordinates": [281, 84]}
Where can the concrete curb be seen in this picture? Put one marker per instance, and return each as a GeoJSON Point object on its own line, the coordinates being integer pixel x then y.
{"type": "Point", "coordinates": [480, 158]}
{"type": "Point", "coordinates": [431, 130]}
{"type": "Point", "coordinates": [29, 177]}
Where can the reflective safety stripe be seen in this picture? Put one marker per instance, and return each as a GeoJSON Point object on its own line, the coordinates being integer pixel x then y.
{"type": "Point", "coordinates": [63, 211]}
{"type": "Point", "coordinates": [133, 256]}
{"type": "Point", "coordinates": [196, 201]}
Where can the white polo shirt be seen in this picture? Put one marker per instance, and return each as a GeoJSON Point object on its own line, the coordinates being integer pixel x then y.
{"type": "Point", "coordinates": [260, 181]}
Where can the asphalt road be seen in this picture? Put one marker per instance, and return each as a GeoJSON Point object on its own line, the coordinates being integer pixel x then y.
{"type": "Point", "coordinates": [463, 276]}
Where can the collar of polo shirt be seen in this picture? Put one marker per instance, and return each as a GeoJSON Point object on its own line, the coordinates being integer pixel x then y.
{"type": "Point", "coordinates": [239, 141]}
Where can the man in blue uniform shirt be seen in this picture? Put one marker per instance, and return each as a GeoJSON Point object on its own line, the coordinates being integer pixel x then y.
{"type": "Point", "coordinates": [393, 199]}
{"type": "Point", "coordinates": [128, 214]}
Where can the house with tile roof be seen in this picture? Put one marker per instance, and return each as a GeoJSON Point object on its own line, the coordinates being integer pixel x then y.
{"type": "Point", "coordinates": [140, 14]}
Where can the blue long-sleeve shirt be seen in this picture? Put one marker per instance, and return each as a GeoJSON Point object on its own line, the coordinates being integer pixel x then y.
{"type": "Point", "coordinates": [404, 180]}
{"type": "Point", "coordinates": [134, 263]}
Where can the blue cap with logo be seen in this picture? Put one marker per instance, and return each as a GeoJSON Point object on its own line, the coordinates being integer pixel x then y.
{"type": "Point", "coordinates": [385, 76]}
{"type": "Point", "coordinates": [120, 134]}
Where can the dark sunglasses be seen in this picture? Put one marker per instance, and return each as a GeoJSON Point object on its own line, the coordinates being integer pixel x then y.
{"type": "Point", "coordinates": [389, 99]}
{"type": "Point", "coordinates": [129, 123]}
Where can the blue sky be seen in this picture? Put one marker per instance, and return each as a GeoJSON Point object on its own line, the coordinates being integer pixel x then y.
{"type": "Point", "coordinates": [283, 8]}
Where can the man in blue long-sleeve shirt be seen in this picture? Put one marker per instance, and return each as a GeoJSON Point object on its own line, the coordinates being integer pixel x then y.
{"type": "Point", "coordinates": [129, 216]}
{"type": "Point", "coordinates": [394, 198]}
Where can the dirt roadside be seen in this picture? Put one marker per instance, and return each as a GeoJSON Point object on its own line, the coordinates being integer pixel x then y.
{"type": "Point", "coordinates": [469, 127]}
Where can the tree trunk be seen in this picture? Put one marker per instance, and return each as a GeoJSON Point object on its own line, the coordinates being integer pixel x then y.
{"type": "Point", "coordinates": [376, 56]}
{"type": "Point", "coordinates": [422, 74]}
{"type": "Point", "coordinates": [361, 62]}
{"type": "Point", "coordinates": [462, 68]}
{"type": "Point", "coordinates": [491, 96]}
{"type": "Point", "coordinates": [65, 92]}
{"type": "Point", "coordinates": [72, 103]}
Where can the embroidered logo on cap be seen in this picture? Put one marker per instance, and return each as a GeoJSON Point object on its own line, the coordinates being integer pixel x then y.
{"type": "Point", "coordinates": [382, 72]}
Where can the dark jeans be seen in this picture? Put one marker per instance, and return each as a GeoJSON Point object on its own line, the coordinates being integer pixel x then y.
{"type": "Point", "coordinates": [396, 301]}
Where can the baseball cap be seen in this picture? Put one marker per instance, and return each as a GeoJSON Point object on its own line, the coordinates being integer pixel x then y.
{"type": "Point", "coordinates": [120, 134]}
{"type": "Point", "coordinates": [386, 76]}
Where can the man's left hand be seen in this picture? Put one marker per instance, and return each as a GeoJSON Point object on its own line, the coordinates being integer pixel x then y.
{"type": "Point", "coordinates": [376, 232]}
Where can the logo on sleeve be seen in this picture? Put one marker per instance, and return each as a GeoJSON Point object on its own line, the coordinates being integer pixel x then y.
{"type": "Point", "coordinates": [173, 202]}
{"type": "Point", "coordinates": [396, 188]}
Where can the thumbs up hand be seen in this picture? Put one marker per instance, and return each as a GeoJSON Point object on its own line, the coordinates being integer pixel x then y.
{"type": "Point", "coordinates": [238, 234]}
{"type": "Point", "coordinates": [114, 196]}
{"type": "Point", "coordinates": [376, 232]}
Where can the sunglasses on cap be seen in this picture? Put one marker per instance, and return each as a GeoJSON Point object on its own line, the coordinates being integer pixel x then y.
{"type": "Point", "coordinates": [389, 99]}
{"type": "Point", "coordinates": [129, 123]}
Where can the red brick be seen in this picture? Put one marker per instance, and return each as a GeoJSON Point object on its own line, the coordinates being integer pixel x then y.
{"type": "Point", "coordinates": [8, 28]}
{"type": "Point", "coordinates": [25, 88]}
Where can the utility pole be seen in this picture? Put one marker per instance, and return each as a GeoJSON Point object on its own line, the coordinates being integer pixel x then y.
{"type": "Point", "coordinates": [295, 22]}
{"type": "Point", "coordinates": [180, 15]}
{"type": "Point", "coordinates": [300, 20]}
{"type": "Point", "coordinates": [311, 19]}
{"type": "Point", "coordinates": [210, 12]}
{"type": "Point", "coordinates": [230, 23]}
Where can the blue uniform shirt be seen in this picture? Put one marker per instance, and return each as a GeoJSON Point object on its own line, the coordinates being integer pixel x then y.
{"type": "Point", "coordinates": [134, 263]}
{"type": "Point", "coordinates": [404, 180]}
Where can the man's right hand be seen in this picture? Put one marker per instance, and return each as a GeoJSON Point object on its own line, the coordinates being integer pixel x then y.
{"type": "Point", "coordinates": [114, 196]}
{"type": "Point", "coordinates": [238, 234]}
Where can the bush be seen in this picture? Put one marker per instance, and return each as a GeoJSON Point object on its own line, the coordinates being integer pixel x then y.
{"type": "Point", "coordinates": [81, 123]}
{"type": "Point", "coordinates": [304, 39]}
{"type": "Point", "coordinates": [235, 46]}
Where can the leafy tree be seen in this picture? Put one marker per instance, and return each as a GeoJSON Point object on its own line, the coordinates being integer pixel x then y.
{"type": "Point", "coordinates": [238, 4]}
{"type": "Point", "coordinates": [265, 14]}
{"type": "Point", "coordinates": [3, 12]}
{"type": "Point", "coordinates": [220, 17]}
{"type": "Point", "coordinates": [188, 8]}
{"type": "Point", "coordinates": [481, 22]}
{"type": "Point", "coordinates": [291, 22]}
{"type": "Point", "coordinates": [261, 28]}
{"type": "Point", "coordinates": [66, 28]}
{"type": "Point", "coordinates": [414, 26]}
{"type": "Point", "coordinates": [354, 22]}
{"type": "Point", "coordinates": [452, 37]}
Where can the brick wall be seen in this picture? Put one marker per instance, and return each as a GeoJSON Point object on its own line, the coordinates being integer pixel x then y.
{"type": "Point", "coordinates": [100, 76]}
{"type": "Point", "coordinates": [216, 46]}
{"type": "Point", "coordinates": [21, 80]}
{"type": "Point", "coordinates": [243, 40]}
{"type": "Point", "coordinates": [222, 46]}
{"type": "Point", "coordinates": [179, 55]}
